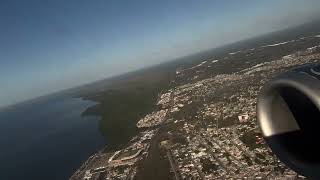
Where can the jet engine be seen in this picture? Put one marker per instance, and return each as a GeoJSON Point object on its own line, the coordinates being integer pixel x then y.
{"type": "Point", "coordinates": [288, 113]}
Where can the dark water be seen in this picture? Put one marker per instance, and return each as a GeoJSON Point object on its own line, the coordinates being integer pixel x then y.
{"type": "Point", "coordinates": [47, 139]}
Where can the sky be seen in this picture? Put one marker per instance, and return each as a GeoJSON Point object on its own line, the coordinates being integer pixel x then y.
{"type": "Point", "coordinates": [47, 46]}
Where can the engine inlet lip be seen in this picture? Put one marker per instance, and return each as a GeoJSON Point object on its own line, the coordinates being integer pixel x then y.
{"type": "Point", "coordinates": [307, 85]}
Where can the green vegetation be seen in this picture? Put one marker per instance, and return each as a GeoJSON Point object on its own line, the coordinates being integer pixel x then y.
{"type": "Point", "coordinates": [121, 110]}
{"type": "Point", "coordinates": [122, 105]}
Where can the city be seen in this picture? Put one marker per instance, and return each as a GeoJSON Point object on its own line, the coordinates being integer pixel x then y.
{"type": "Point", "coordinates": [204, 128]}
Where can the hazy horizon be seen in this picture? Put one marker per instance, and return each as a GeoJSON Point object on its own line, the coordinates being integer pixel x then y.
{"type": "Point", "coordinates": [49, 47]}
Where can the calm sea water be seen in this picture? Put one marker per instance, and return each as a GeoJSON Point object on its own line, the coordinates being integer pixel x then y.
{"type": "Point", "coordinates": [47, 139]}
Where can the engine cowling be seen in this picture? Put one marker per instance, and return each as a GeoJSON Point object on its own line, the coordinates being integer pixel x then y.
{"type": "Point", "coordinates": [288, 113]}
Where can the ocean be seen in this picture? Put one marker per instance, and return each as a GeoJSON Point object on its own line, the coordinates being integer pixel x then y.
{"type": "Point", "coordinates": [47, 139]}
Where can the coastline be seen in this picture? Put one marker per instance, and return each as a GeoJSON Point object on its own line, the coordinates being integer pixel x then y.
{"type": "Point", "coordinates": [120, 108]}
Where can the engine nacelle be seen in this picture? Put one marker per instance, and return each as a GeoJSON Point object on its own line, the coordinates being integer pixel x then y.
{"type": "Point", "coordinates": [288, 113]}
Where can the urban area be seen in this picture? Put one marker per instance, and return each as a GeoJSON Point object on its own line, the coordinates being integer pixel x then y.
{"type": "Point", "coordinates": [205, 127]}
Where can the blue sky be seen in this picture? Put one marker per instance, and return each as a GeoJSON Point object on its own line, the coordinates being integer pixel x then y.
{"type": "Point", "coordinates": [46, 46]}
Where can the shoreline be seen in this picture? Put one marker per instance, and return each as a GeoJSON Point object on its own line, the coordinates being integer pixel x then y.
{"type": "Point", "coordinates": [119, 111]}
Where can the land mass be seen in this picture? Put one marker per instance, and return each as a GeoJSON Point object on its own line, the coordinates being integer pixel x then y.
{"type": "Point", "coordinates": [195, 118]}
